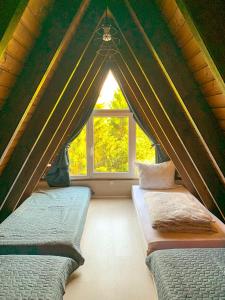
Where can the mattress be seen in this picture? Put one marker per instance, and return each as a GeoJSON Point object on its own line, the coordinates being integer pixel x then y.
{"type": "Point", "coordinates": [34, 277]}
{"type": "Point", "coordinates": [48, 223]}
{"type": "Point", "coordinates": [188, 273]}
{"type": "Point", "coordinates": [156, 240]}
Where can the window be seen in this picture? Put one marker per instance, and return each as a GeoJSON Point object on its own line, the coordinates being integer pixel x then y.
{"type": "Point", "coordinates": [111, 141]}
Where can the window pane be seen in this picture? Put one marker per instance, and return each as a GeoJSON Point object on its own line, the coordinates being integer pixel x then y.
{"type": "Point", "coordinates": [116, 102]}
{"type": "Point", "coordinates": [111, 96]}
{"type": "Point", "coordinates": [144, 152]}
{"type": "Point", "coordinates": [77, 155]}
{"type": "Point", "coordinates": [110, 144]}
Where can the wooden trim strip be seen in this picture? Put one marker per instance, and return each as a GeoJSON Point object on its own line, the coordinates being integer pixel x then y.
{"type": "Point", "coordinates": [200, 16]}
{"type": "Point", "coordinates": [9, 19]}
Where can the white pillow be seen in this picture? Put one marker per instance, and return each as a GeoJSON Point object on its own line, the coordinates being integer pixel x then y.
{"type": "Point", "coordinates": [156, 176]}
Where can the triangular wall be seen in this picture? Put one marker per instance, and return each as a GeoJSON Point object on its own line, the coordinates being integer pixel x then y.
{"type": "Point", "coordinates": [145, 70]}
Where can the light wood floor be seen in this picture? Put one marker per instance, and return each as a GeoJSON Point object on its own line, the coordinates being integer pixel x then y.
{"type": "Point", "coordinates": [115, 256]}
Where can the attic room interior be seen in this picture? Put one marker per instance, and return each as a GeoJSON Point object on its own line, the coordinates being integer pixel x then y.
{"type": "Point", "coordinates": [112, 144]}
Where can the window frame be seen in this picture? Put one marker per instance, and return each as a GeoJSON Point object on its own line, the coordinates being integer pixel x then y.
{"type": "Point", "coordinates": [90, 146]}
{"type": "Point", "coordinates": [131, 174]}
{"type": "Point", "coordinates": [131, 144]}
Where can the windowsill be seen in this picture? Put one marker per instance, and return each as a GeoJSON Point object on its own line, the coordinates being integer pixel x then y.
{"type": "Point", "coordinates": [102, 187]}
{"type": "Point", "coordinates": [108, 187]}
{"type": "Point", "coordinates": [75, 178]}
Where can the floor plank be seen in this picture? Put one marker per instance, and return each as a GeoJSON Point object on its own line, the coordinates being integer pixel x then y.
{"type": "Point", "coordinates": [115, 256]}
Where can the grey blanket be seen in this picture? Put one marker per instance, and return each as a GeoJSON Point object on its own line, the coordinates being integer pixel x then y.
{"type": "Point", "coordinates": [34, 277]}
{"type": "Point", "coordinates": [48, 223]}
{"type": "Point", "coordinates": [189, 273]}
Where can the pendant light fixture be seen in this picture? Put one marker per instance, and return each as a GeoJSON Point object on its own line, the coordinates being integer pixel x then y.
{"type": "Point", "coordinates": [108, 35]}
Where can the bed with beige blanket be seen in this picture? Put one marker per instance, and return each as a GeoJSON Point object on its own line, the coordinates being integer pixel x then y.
{"type": "Point", "coordinates": [159, 213]}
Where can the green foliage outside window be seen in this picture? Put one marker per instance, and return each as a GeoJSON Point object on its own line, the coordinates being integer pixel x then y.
{"type": "Point", "coordinates": [110, 142]}
{"type": "Point", "coordinates": [118, 102]}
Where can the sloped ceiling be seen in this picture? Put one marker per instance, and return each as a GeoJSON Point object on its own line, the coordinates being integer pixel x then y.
{"type": "Point", "coordinates": [206, 61]}
{"type": "Point", "coordinates": [62, 73]}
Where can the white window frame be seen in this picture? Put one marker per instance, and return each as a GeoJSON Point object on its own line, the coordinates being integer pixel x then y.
{"type": "Point", "coordinates": [131, 143]}
{"type": "Point", "coordinates": [90, 146]}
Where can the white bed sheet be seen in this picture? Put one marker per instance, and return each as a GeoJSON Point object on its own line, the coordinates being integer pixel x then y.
{"type": "Point", "coordinates": [156, 240]}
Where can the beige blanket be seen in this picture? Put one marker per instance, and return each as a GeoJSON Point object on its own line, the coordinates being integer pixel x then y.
{"type": "Point", "coordinates": [178, 211]}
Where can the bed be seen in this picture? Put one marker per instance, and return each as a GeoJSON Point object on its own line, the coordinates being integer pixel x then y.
{"type": "Point", "coordinates": [188, 273]}
{"type": "Point", "coordinates": [156, 240]}
{"type": "Point", "coordinates": [49, 222]}
{"type": "Point", "coordinates": [34, 277]}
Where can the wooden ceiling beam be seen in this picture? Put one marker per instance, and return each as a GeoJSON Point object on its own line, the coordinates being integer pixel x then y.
{"type": "Point", "coordinates": [206, 19]}
{"type": "Point", "coordinates": [150, 23]}
{"type": "Point", "coordinates": [134, 95]}
{"type": "Point", "coordinates": [167, 100]}
{"type": "Point", "coordinates": [85, 100]}
{"type": "Point", "coordinates": [53, 106]}
{"type": "Point", "coordinates": [46, 50]}
{"type": "Point", "coordinates": [10, 14]}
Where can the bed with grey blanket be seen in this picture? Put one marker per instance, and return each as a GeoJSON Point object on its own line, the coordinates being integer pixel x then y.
{"type": "Point", "coordinates": [189, 273]}
{"type": "Point", "coordinates": [48, 223]}
{"type": "Point", "coordinates": [34, 277]}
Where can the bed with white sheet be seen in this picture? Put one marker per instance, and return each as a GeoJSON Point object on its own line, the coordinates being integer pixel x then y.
{"type": "Point", "coordinates": [156, 240]}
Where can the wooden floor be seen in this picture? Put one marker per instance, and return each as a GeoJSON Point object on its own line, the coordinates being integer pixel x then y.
{"type": "Point", "coordinates": [115, 256]}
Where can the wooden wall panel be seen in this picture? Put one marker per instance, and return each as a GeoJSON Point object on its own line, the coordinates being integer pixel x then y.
{"type": "Point", "coordinates": [220, 113]}
{"type": "Point", "coordinates": [2, 167]}
{"type": "Point", "coordinates": [20, 44]}
{"type": "Point", "coordinates": [10, 64]}
{"type": "Point", "coordinates": [56, 101]}
{"type": "Point", "coordinates": [168, 7]}
{"type": "Point", "coordinates": [211, 88]}
{"type": "Point", "coordinates": [13, 58]}
{"type": "Point", "coordinates": [189, 109]}
{"type": "Point", "coordinates": [183, 35]}
{"type": "Point", "coordinates": [176, 21]}
{"type": "Point", "coordinates": [7, 78]}
{"type": "Point", "coordinates": [10, 15]}
{"type": "Point", "coordinates": [190, 49]}
{"type": "Point", "coordinates": [203, 75]}
{"type": "Point", "coordinates": [23, 34]}
{"type": "Point", "coordinates": [206, 19]}
{"type": "Point", "coordinates": [4, 91]}
{"type": "Point", "coordinates": [197, 61]}
{"type": "Point", "coordinates": [31, 22]}
{"type": "Point", "coordinates": [222, 124]}
{"type": "Point", "coordinates": [35, 11]}
{"type": "Point", "coordinates": [216, 100]}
